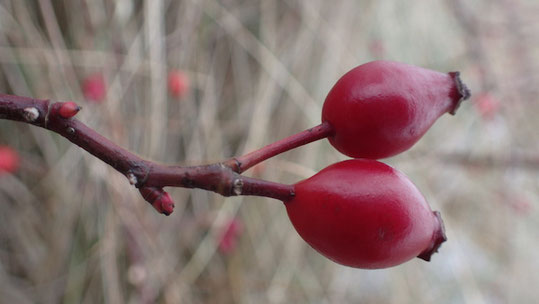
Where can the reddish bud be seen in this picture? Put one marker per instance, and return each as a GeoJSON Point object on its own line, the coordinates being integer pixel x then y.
{"type": "Point", "coordinates": [94, 88]}
{"type": "Point", "coordinates": [158, 198]}
{"type": "Point", "coordinates": [178, 83]}
{"type": "Point", "coordinates": [229, 236]}
{"type": "Point", "coordinates": [9, 160]}
{"type": "Point", "coordinates": [68, 109]}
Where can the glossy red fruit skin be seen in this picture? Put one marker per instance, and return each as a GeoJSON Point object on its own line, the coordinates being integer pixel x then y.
{"type": "Point", "coordinates": [382, 108]}
{"type": "Point", "coordinates": [365, 214]}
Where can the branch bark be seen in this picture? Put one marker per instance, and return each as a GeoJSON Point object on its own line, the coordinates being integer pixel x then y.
{"type": "Point", "coordinates": [141, 173]}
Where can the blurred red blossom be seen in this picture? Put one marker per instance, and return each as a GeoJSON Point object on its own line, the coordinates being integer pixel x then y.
{"type": "Point", "coordinates": [9, 160]}
{"type": "Point", "coordinates": [94, 88]}
{"type": "Point", "coordinates": [230, 233]}
{"type": "Point", "coordinates": [178, 83]}
{"type": "Point", "coordinates": [521, 205]}
{"type": "Point", "coordinates": [377, 48]}
{"type": "Point", "coordinates": [487, 105]}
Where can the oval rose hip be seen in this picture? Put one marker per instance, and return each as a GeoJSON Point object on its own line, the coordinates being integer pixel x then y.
{"type": "Point", "coordinates": [363, 213]}
{"type": "Point", "coordinates": [382, 108]}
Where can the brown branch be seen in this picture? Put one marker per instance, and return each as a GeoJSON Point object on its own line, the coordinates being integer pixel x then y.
{"type": "Point", "coordinates": [144, 174]}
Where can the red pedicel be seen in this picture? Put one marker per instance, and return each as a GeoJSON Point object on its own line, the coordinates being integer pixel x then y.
{"type": "Point", "coordinates": [178, 83]}
{"type": "Point", "coordinates": [94, 88]}
{"type": "Point", "coordinates": [382, 108]}
{"type": "Point", "coordinates": [365, 214]}
{"type": "Point", "coordinates": [9, 160]}
{"type": "Point", "coordinates": [68, 109]}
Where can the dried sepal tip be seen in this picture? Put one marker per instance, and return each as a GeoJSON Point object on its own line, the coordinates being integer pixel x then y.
{"type": "Point", "coordinates": [437, 239]}
{"type": "Point", "coordinates": [68, 109]}
{"type": "Point", "coordinates": [158, 198]}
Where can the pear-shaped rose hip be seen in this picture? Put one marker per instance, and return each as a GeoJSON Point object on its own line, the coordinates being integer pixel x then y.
{"type": "Point", "coordinates": [363, 213]}
{"type": "Point", "coordinates": [382, 108]}
{"type": "Point", "coordinates": [376, 110]}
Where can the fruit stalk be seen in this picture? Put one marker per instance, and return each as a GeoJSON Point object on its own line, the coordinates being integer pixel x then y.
{"type": "Point", "coordinates": [242, 163]}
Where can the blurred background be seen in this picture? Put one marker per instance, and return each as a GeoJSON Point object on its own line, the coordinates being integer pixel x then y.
{"type": "Point", "coordinates": [192, 82]}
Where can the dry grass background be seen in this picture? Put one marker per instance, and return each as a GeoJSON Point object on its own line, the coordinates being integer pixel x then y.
{"type": "Point", "coordinates": [73, 230]}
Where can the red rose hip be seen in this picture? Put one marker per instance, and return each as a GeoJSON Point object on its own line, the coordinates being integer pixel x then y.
{"type": "Point", "coordinates": [363, 213]}
{"type": "Point", "coordinates": [382, 108]}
